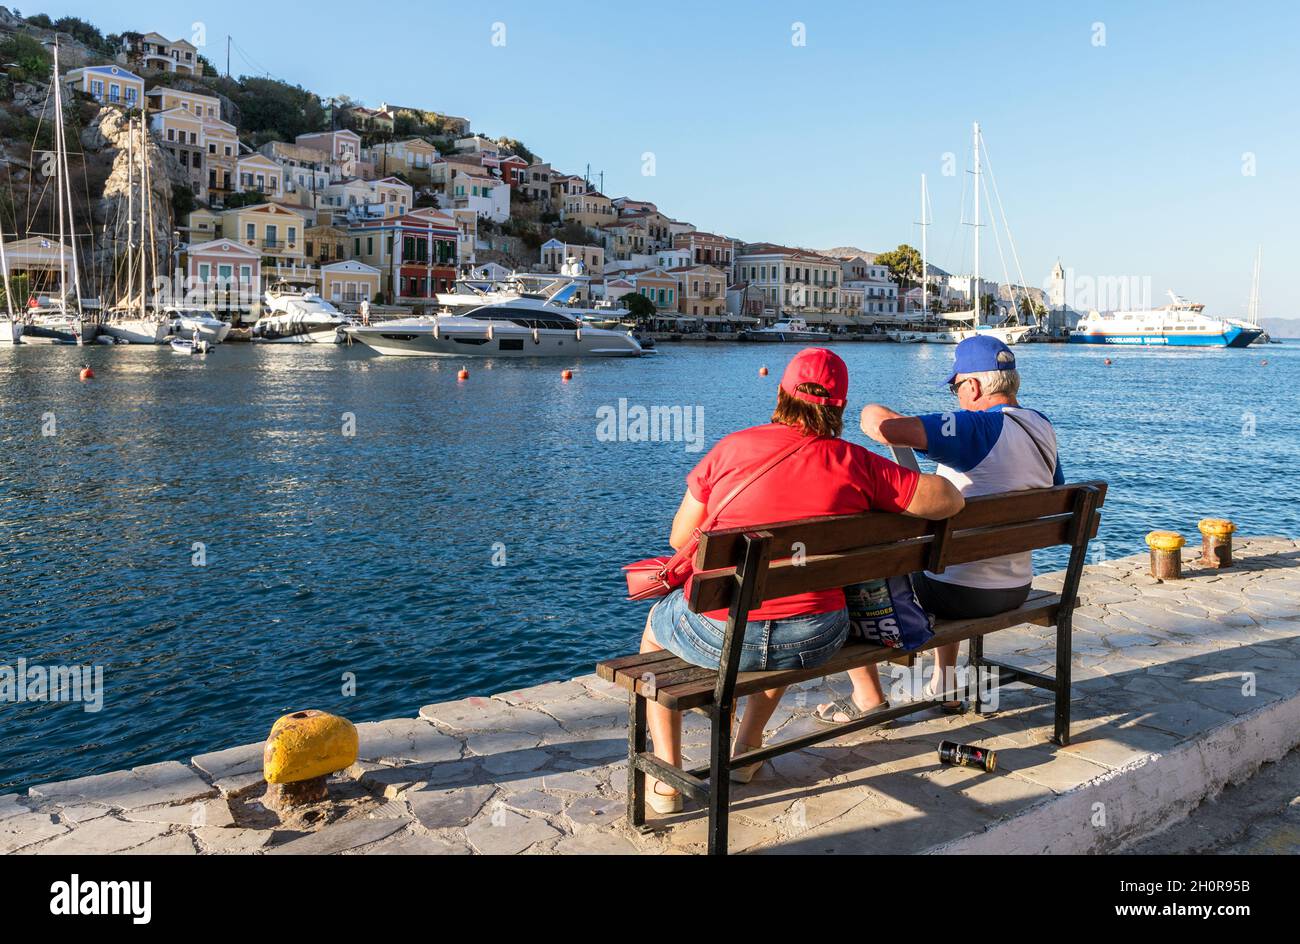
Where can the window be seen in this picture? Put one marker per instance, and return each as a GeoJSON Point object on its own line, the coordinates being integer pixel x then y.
{"type": "Point", "coordinates": [205, 271]}
{"type": "Point", "coordinates": [250, 232]}
{"type": "Point", "coordinates": [246, 273]}
{"type": "Point", "coordinates": [97, 89]}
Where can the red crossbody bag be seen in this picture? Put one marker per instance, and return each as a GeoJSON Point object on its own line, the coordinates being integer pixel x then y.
{"type": "Point", "coordinates": [658, 576]}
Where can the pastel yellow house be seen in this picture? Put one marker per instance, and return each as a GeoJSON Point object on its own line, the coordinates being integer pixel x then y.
{"type": "Point", "coordinates": [349, 282]}
{"type": "Point", "coordinates": [108, 85]}
{"type": "Point", "coordinates": [223, 152]}
{"type": "Point", "coordinates": [162, 98]}
{"type": "Point", "coordinates": [203, 225]}
{"type": "Point", "coordinates": [412, 158]}
{"type": "Point", "coordinates": [589, 209]}
{"type": "Point", "coordinates": [181, 132]}
{"type": "Point", "coordinates": [257, 173]}
{"type": "Point", "coordinates": [275, 232]}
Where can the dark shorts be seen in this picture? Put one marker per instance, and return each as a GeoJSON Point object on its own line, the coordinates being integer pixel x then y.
{"type": "Point", "coordinates": [799, 642]}
{"type": "Point", "coordinates": [953, 601]}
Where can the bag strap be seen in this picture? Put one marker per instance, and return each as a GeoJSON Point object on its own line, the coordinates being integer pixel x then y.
{"type": "Point", "coordinates": [689, 546]}
{"type": "Point", "coordinates": [754, 477]}
{"type": "Point", "coordinates": [1051, 463]}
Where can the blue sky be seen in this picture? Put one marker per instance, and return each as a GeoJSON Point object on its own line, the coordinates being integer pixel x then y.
{"type": "Point", "coordinates": [1124, 159]}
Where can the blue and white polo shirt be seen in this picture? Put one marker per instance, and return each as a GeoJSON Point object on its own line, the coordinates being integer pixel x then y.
{"type": "Point", "coordinates": [981, 452]}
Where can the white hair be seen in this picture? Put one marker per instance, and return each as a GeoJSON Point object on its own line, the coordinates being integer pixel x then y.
{"type": "Point", "coordinates": [996, 381]}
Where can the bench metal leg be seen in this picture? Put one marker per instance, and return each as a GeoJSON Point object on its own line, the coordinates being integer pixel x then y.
{"type": "Point", "coordinates": [976, 665]}
{"type": "Point", "coordinates": [1064, 653]}
{"type": "Point", "coordinates": [636, 726]}
{"type": "Point", "coordinates": [719, 779]}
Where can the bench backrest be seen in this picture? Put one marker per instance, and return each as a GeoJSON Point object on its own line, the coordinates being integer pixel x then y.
{"type": "Point", "coordinates": [820, 553]}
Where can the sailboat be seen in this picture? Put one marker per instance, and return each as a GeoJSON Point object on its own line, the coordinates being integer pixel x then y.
{"type": "Point", "coordinates": [55, 321]}
{"type": "Point", "coordinates": [1251, 324]}
{"type": "Point", "coordinates": [11, 326]}
{"type": "Point", "coordinates": [132, 321]}
{"type": "Point", "coordinates": [956, 326]}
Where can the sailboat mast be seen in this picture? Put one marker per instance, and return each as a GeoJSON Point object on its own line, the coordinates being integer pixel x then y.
{"type": "Point", "coordinates": [130, 204]}
{"type": "Point", "coordinates": [4, 268]}
{"type": "Point", "coordinates": [925, 265]}
{"type": "Point", "coordinates": [66, 181]}
{"type": "Point", "coordinates": [1254, 288]}
{"type": "Point", "coordinates": [975, 279]}
{"type": "Point", "coordinates": [58, 184]}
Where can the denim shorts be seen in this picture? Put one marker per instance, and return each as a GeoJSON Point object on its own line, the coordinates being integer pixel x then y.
{"type": "Point", "coordinates": [795, 643]}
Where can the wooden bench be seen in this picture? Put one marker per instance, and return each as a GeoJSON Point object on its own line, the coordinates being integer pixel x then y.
{"type": "Point", "coordinates": [736, 569]}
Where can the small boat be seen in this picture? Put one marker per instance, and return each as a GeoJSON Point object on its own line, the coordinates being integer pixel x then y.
{"type": "Point", "coordinates": [792, 329]}
{"type": "Point", "coordinates": [190, 346]}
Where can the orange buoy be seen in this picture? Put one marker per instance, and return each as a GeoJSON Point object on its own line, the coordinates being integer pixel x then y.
{"type": "Point", "coordinates": [87, 373]}
{"type": "Point", "coordinates": [462, 374]}
{"type": "Point", "coordinates": [1106, 361]}
{"type": "Point", "coordinates": [762, 372]}
{"type": "Point", "coordinates": [566, 375]}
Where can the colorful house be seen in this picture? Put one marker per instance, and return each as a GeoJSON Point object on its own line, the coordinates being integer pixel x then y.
{"type": "Point", "coordinates": [226, 276]}
{"type": "Point", "coordinates": [349, 283]}
{"type": "Point", "coordinates": [154, 52]}
{"type": "Point", "coordinates": [415, 253]}
{"type": "Point", "coordinates": [108, 85]}
{"type": "Point", "coordinates": [257, 173]}
{"type": "Point", "coordinates": [272, 230]}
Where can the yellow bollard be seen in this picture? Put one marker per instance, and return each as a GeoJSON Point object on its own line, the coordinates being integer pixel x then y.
{"type": "Point", "coordinates": [1216, 542]}
{"type": "Point", "coordinates": [1166, 554]}
{"type": "Point", "coordinates": [301, 751]}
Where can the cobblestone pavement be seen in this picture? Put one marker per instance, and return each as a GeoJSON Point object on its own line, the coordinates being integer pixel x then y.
{"type": "Point", "coordinates": [543, 770]}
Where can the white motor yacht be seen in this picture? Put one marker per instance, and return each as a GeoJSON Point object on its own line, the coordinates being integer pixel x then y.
{"type": "Point", "coordinates": [185, 321]}
{"type": "Point", "coordinates": [297, 316]}
{"type": "Point", "coordinates": [515, 327]}
{"type": "Point", "coordinates": [793, 329]}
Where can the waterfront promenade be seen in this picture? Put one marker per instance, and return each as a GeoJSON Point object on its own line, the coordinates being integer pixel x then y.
{"type": "Point", "coordinates": [1179, 689]}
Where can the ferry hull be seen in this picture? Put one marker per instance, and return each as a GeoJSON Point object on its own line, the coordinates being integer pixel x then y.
{"type": "Point", "coordinates": [1234, 337]}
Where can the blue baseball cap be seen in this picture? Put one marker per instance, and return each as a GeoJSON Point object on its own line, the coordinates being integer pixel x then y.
{"type": "Point", "coordinates": [978, 354]}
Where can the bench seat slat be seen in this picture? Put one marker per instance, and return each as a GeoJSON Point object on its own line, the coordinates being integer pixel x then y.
{"type": "Point", "coordinates": [831, 535]}
{"type": "Point", "coordinates": [696, 685]}
{"type": "Point", "coordinates": [713, 590]}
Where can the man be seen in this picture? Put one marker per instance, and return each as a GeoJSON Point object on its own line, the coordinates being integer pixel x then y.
{"type": "Point", "coordinates": [992, 444]}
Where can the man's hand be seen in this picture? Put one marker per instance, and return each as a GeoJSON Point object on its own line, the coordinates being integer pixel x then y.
{"type": "Point", "coordinates": [892, 429]}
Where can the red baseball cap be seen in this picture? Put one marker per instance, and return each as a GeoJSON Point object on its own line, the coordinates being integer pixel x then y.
{"type": "Point", "coordinates": [820, 366]}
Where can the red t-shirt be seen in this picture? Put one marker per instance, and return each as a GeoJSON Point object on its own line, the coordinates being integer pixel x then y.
{"type": "Point", "coordinates": [826, 477]}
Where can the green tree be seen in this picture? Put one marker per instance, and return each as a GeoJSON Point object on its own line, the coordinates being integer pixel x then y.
{"type": "Point", "coordinates": [904, 265]}
{"type": "Point", "coordinates": [28, 54]}
{"type": "Point", "coordinates": [638, 306]}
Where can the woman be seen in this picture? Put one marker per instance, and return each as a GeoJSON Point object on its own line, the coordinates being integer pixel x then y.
{"type": "Point", "coordinates": [819, 474]}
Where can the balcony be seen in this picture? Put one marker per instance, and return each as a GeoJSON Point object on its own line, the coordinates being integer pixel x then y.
{"type": "Point", "coordinates": [272, 245]}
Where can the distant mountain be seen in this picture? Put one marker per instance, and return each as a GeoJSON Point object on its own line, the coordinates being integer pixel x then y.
{"type": "Point", "coordinates": [1282, 327]}
{"type": "Point", "coordinates": [847, 252]}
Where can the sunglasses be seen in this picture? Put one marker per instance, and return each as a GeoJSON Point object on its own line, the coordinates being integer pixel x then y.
{"type": "Point", "coordinates": [953, 388]}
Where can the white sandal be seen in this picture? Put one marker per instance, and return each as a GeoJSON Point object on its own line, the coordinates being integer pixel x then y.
{"type": "Point", "coordinates": [745, 774]}
{"type": "Point", "coordinates": [661, 802]}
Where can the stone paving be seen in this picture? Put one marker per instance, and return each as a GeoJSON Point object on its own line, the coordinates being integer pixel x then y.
{"type": "Point", "coordinates": [1160, 670]}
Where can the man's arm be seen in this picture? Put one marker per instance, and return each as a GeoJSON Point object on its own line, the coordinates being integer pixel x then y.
{"type": "Point", "coordinates": [935, 497]}
{"type": "Point", "coordinates": [892, 429]}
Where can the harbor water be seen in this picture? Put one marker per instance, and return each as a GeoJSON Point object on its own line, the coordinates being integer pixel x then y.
{"type": "Point", "coordinates": [271, 528]}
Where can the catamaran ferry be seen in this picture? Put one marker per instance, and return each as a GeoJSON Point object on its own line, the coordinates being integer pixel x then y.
{"type": "Point", "coordinates": [1178, 324]}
